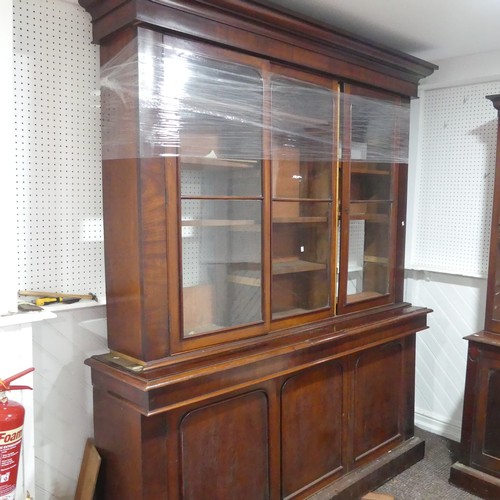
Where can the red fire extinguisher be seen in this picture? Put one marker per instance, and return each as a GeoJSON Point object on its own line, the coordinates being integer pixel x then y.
{"type": "Point", "coordinates": [11, 433]}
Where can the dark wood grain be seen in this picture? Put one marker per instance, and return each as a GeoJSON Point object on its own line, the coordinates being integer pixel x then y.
{"type": "Point", "coordinates": [224, 448]}
{"type": "Point", "coordinates": [247, 26]}
{"type": "Point", "coordinates": [312, 426]}
{"type": "Point", "coordinates": [271, 408]}
{"type": "Point", "coordinates": [379, 388]}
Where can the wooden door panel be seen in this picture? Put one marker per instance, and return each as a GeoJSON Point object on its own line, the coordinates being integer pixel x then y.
{"type": "Point", "coordinates": [224, 449]}
{"type": "Point", "coordinates": [486, 435]}
{"type": "Point", "coordinates": [378, 395]}
{"type": "Point", "coordinates": [312, 408]}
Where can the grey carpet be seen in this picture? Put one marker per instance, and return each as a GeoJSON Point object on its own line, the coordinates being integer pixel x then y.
{"type": "Point", "coordinates": [428, 479]}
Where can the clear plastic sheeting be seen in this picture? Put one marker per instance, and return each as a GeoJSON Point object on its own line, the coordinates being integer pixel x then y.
{"type": "Point", "coordinates": [181, 103]}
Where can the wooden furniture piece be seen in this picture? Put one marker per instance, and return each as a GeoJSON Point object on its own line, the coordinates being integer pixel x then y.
{"type": "Point", "coordinates": [254, 184]}
{"type": "Point", "coordinates": [478, 469]}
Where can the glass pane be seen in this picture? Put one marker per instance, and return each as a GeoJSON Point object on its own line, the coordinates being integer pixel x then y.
{"type": "Point", "coordinates": [379, 130]}
{"type": "Point", "coordinates": [492, 429]}
{"type": "Point", "coordinates": [300, 257]}
{"type": "Point", "coordinates": [302, 139]}
{"type": "Point", "coordinates": [369, 250]}
{"type": "Point", "coordinates": [220, 129]}
{"type": "Point", "coordinates": [221, 264]}
{"type": "Point", "coordinates": [208, 177]}
{"type": "Point", "coordinates": [371, 181]}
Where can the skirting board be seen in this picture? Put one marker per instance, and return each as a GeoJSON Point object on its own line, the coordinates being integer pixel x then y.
{"type": "Point", "coordinates": [438, 425]}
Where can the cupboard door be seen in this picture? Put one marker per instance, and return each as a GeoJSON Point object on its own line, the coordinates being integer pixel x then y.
{"type": "Point", "coordinates": [303, 157]}
{"type": "Point", "coordinates": [312, 409]}
{"type": "Point", "coordinates": [374, 146]}
{"type": "Point", "coordinates": [486, 432]}
{"type": "Point", "coordinates": [224, 448]}
{"type": "Point", "coordinates": [379, 389]}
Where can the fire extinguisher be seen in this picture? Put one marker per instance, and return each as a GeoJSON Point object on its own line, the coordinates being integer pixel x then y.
{"type": "Point", "coordinates": [11, 433]}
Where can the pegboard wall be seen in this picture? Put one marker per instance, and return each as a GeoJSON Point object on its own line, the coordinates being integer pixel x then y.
{"type": "Point", "coordinates": [454, 189]}
{"type": "Point", "coordinates": [58, 149]}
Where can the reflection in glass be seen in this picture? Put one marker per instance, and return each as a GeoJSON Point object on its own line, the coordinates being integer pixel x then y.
{"type": "Point", "coordinates": [219, 142]}
{"type": "Point", "coordinates": [370, 214]}
{"type": "Point", "coordinates": [368, 267]}
{"type": "Point", "coordinates": [221, 264]}
{"type": "Point", "coordinates": [378, 130]}
{"type": "Point", "coordinates": [301, 146]}
{"type": "Point", "coordinates": [220, 129]}
{"type": "Point", "coordinates": [300, 257]}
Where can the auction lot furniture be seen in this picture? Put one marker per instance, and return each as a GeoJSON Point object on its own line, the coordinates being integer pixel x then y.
{"type": "Point", "coordinates": [254, 186]}
{"type": "Point", "coordinates": [478, 469]}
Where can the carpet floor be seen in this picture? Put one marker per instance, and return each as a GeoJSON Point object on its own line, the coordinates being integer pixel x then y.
{"type": "Point", "coordinates": [428, 479]}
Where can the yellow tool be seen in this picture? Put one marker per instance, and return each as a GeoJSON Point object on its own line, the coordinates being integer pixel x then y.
{"type": "Point", "coordinates": [49, 300]}
{"type": "Point", "coordinates": [44, 298]}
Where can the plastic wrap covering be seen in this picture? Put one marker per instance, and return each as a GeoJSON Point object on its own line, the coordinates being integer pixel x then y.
{"type": "Point", "coordinates": [180, 103]}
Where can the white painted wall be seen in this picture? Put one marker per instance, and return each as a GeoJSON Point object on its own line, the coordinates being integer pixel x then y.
{"type": "Point", "coordinates": [56, 109]}
{"type": "Point", "coordinates": [458, 301]}
{"type": "Point", "coordinates": [63, 396]}
{"type": "Point", "coordinates": [8, 298]}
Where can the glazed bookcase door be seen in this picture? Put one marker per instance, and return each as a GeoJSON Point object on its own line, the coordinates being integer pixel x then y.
{"type": "Point", "coordinates": [218, 171]}
{"type": "Point", "coordinates": [304, 180]}
{"type": "Point", "coordinates": [370, 230]}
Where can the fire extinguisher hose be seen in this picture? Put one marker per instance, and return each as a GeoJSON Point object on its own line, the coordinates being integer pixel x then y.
{"type": "Point", "coordinates": [5, 385]}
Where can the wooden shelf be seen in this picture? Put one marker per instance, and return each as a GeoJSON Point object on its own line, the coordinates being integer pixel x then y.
{"type": "Point", "coordinates": [215, 163]}
{"type": "Point", "coordinates": [376, 260]}
{"type": "Point", "coordinates": [250, 228]}
{"type": "Point", "coordinates": [381, 218]}
{"type": "Point", "coordinates": [217, 223]}
{"type": "Point", "coordinates": [282, 116]}
{"type": "Point", "coordinates": [246, 277]}
{"type": "Point", "coordinates": [358, 297]}
{"type": "Point", "coordinates": [280, 267]}
{"type": "Point", "coordinates": [368, 170]}
{"type": "Point", "coordinates": [299, 220]}
{"type": "Point", "coordinates": [295, 266]}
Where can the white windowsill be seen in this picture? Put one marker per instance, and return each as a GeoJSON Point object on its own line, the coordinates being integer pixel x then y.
{"type": "Point", "coordinates": [48, 312]}
{"type": "Point", "coordinates": [25, 317]}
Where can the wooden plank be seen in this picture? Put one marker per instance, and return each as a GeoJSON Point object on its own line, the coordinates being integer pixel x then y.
{"type": "Point", "coordinates": [89, 471]}
{"type": "Point", "coordinates": [377, 496]}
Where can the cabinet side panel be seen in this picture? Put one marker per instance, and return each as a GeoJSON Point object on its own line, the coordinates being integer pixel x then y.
{"type": "Point", "coordinates": [124, 438]}
{"type": "Point", "coordinates": [311, 426]}
{"type": "Point", "coordinates": [120, 199]}
{"type": "Point", "coordinates": [154, 259]}
{"type": "Point", "coordinates": [224, 448]}
{"type": "Point", "coordinates": [123, 272]}
{"type": "Point", "coordinates": [377, 405]}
